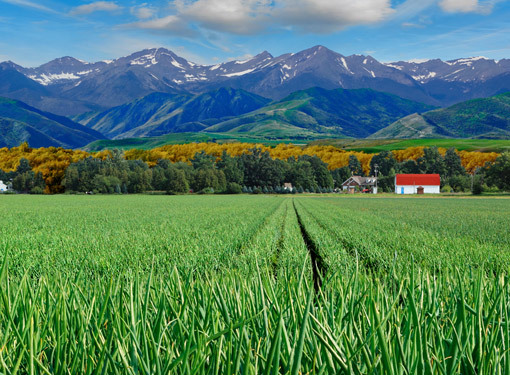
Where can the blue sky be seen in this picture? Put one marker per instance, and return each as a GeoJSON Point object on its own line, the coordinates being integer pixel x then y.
{"type": "Point", "coordinates": [207, 31]}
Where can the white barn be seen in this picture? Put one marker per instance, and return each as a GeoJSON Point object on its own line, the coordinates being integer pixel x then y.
{"type": "Point", "coordinates": [417, 184]}
{"type": "Point", "coordinates": [3, 187]}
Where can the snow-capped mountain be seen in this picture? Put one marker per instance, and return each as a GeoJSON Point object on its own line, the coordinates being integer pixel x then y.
{"type": "Point", "coordinates": [460, 70]}
{"type": "Point", "coordinates": [101, 85]}
{"type": "Point", "coordinates": [61, 70]}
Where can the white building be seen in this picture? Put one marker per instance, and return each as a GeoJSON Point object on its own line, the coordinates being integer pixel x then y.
{"type": "Point", "coordinates": [3, 187]}
{"type": "Point", "coordinates": [417, 184]}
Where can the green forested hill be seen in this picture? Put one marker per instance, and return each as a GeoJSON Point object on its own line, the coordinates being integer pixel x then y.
{"type": "Point", "coordinates": [20, 123]}
{"type": "Point", "coordinates": [158, 114]}
{"type": "Point", "coordinates": [352, 113]}
{"type": "Point", "coordinates": [479, 118]}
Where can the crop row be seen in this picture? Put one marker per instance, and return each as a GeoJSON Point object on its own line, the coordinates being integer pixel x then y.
{"type": "Point", "coordinates": [103, 236]}
{"type": "Point", "coordinates": [228, 285]}
{"type": "Point", "coordinates": [448, 324]}
{"type": "Point", "coordinates": [401, 238]}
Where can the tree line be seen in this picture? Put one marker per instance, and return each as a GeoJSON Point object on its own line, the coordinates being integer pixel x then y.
{"type": "Point", "coordinates": [255, 171]}
{"type": "Point", "coordinates": [52, 162]}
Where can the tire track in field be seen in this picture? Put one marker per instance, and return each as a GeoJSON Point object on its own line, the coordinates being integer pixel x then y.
{"type": "Point", "coordinates": [319, 268]}
{"type": "Point", "coordinates": [280, 242]}
{"type": "Point", "coordinates": [354, 251]}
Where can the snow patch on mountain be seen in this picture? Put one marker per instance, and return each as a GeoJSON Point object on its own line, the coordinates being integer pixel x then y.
{"type": "Point", "coordinates": [418, 61]}
{"type": "Point", "coordinates": [422, 78]}
{"type": "Point", "coordinates": [176, 64]}
{"type": "Point", "coordinates": [239, 73]}
{"type": "Point", "coordinates": [344, 63]}
{"type": "Point", "coordinates": [46, 79]}
{"type": "Point", "coordinates": [393, 66]}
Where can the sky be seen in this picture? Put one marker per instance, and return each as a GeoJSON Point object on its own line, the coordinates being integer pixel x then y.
{"type": "Point", "coordinates": [209, 31]}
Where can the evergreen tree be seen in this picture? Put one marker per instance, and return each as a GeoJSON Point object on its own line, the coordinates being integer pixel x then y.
{"type": "Point", "coordinates": [498, 174]}
{"type": "Point", "coordinates": [385, 161]}
{"type": "Point", "coordinates": [453, 164]}
{"type": "Point", "coordinates": [431, 161]}
{"type": "Point", "coordinates": [231, 167]}
{"type": "Point", "coordinates": [355, 166]}
{"type": "Point", "coordinates": [340, 175]}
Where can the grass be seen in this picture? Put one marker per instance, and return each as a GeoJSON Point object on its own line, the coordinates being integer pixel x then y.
{"type": "Point", "coordinates": [365, 145]}
{"type": "Point", "coordinates": [225, 285]}
{"type": "Point", "coordinates": [148, 143]}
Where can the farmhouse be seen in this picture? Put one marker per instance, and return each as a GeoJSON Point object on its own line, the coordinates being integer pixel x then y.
{"type": "Point", "coordinates": [359, 183]}
{"type": "Point", "coordinates": [3, 187]}
{"type": "Point", "coordinates": [417, 184]}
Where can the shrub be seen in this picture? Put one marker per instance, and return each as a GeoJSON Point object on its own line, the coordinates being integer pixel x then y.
{"type": "Point", "coordinates": [234, 188]}
{"type": "Point", "coordinates": [446, 189]}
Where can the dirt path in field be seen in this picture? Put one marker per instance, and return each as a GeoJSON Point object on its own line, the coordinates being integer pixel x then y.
{"type": "Point", "coordinates": [318, 265]}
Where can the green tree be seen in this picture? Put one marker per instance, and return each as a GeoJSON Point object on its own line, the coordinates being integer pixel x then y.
{"type": "Point", "coordinates": [202, 160]}
{"type": "Point", "coordinates": [431, 161]}
{"type": "Point", "coordinates": [231, 167]}
{"type": "Point", "coordinates": [453, 164]}
{"type": "Point", "coordinates": [176, 181]}
{"type": "Point", "coordinates": [300, 173]}
{"type": "Point", "coordinates": [385, 162]}
{"type": "Point", "coordinates": [260, 169]}
{"type": "Point", "coordinates": [408, 166]}
{"type": "Point", "coordinates": [498, 174]}
{"type": "Point", "coordinates": [355, 166]}
{"type": "Point", "coordinates": [320, 170]}
{"type": "Point", "coordinates": [340, 175]}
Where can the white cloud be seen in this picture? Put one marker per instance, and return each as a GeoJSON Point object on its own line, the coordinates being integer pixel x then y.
{"type": "Point", "coordinates": [467, 6]}
{"type": "Point", "coordinates": [252, 16]}
{"type": "Point", "coordinates": [245, 17]}
{"type": "Point", "coordinates": [411, 8]}
{"type": "Point", "coordinates": [411, 25]}
{"type": "Point", "coordinates": [173, 24]}
{"type": "Point", "coordinates": [325, 16]}
{"type": "Point", "coordinates": [29, 4]}
{"type": "Point", "coordinates": [232, 16]}
{"type": "Point", "coordinates": [143, 11]}
{"type": "Point", "coordinates": [105, 6]}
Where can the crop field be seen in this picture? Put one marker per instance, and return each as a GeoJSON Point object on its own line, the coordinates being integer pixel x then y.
{"type": "Point", "coordinates": [256, 284]}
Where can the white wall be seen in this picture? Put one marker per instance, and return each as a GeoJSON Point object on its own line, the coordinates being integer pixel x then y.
{"type": "Point", "coordinates": [3, 187]}
{"type": "Point", "coordinates": [413, 189]}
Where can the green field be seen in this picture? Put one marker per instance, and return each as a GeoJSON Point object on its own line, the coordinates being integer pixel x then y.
{"type": "Point", "coordinates": [366, 145]}
{"type": "Point", "coordinates": [378, 145]}
{"type": "Point", "coordinates": [253, 284]}
{"type": "Point", "coordinates": [183, 138]}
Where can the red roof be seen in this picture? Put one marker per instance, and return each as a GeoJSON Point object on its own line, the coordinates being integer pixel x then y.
{"type": "Point", "coordinates": [418, 179]}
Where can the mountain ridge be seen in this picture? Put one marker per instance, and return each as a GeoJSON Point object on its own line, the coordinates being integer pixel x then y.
{"type": "Point", "coordinates": [20, 123]}
{"type": "Point", "coordinates": [105, 84]}
{"type": "Point", "coordinates": [305, 113]}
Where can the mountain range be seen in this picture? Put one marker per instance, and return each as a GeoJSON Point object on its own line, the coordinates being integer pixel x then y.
{"type": "Point", "coordinates": [310, 94]}
{"type": "Point", "coordinates": [68, 86]}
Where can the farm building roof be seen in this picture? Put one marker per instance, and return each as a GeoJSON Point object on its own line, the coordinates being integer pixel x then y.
{"type": "Point", "coordinates": [418, 179]}
{"type": "Point", "coordinates": [359, 181]}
